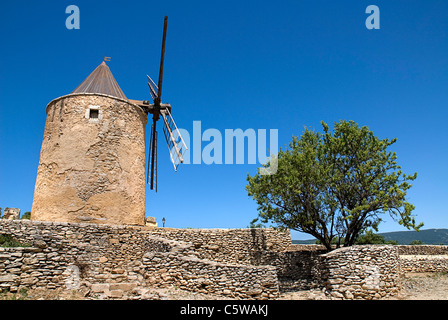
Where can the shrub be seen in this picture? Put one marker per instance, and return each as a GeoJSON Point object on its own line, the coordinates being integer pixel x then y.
{"type": "Point", "coordinates": [7, 241]}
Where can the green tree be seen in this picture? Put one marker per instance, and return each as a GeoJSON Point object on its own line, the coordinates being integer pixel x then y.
{"type": "Point", "coordinates": [26, 215]}
{"type": "Point", "coordinates": [334, 185]}
{"type": "Point", "coordinates": [370, 238]}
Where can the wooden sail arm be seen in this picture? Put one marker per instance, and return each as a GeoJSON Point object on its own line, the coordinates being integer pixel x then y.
{"type": "Point", "coordinates": [149, 107]}
{"type": "Point", "coordinates": [176, 145]}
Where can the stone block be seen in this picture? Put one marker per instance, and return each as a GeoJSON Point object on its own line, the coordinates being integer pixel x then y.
{"type": "Point", "coordinates": [99, 287]}
{"type": "Point", "coordinates": [151, 222]}
{"type": "Point", "coordinates": [118, 271]}
{"type": "Point", "coordinates": [124, 286]}
{"type": "Point", "coordinates": [9, 278]}
{"type": "Point", "coordinates": [115, 293]}
{"type": "Point", "coordinates": [11, 214]}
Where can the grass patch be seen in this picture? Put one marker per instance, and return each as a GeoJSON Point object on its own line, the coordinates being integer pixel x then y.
{"type": "Point", "coordinates": [22, 294]}
{"type": "Point", "coordinates": [8, 241]}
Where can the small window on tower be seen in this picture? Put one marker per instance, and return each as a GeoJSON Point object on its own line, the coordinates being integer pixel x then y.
{"type": "Point", "coordinates": [93, 113]}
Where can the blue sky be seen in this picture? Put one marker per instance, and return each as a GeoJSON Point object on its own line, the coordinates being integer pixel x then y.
{"type": "Point", "coordinates": [235, 64]}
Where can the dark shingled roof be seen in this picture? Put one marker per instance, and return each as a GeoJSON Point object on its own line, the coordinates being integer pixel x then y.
{"type": "Point", "coordinates": [102, 81]}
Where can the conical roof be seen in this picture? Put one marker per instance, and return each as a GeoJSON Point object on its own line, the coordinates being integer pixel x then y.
{"type": "Point", "coordinates": [101, 80]}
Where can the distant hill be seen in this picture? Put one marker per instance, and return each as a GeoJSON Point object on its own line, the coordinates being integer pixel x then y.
{"type": "Point", "coordinates": [428, 236]}
{"type": "Point", "coordinates": [311, 241]}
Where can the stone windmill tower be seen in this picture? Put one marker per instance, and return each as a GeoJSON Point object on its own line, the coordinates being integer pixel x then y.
{"type": "Point", "coordinates": [92, 161]}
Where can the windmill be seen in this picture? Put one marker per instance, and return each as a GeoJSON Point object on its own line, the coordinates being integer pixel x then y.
{"type": "Point", "coordinates": [176, 144]}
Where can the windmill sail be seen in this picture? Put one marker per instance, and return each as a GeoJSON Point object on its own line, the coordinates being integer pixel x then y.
{"type": "Point", "coordinates": [153, 89]}
{"type": "Point", "coordinates": [176, 144]}
{"type": "Point", "coordinates": [152, 165]}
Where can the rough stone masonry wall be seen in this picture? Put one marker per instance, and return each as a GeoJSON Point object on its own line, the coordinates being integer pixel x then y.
{"type": "Point", "coordinates": [423, 249]}
{"type": "Point", "coordinates": [295, 265]}
{"type": "Point", "coordinates": [31, 267]}
{"type": "Point", "coordinates": [243, 246]}
{"type": "Point", "coordinates": [58, 250]}
{"type": "Point", "coordinates": [424, 263]}
{"type": "Point", "coordinates": [240, 263]}
{"type": "Point", "coordinates": [177, 265]}
{"type": "Point", "coordinates": [423, 258]}
{"type": "Point", "coordinates": [361, 272]}
{"type": "Point", "coordinates": [92, 169]}
{"type": "Point", "coordinates": [109, 253]}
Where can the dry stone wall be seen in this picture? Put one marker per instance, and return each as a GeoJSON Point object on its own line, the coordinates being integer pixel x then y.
{"type": "Point", "coordinates": [423, 258]}
{"type": "Point", "coordinates": [95, 254]}
{"type": "Point", "coordinates": [238, 263]}
{"type": "Point", "coordinates": [62, 252]}
{"type": "Point", "coordinates": [297, 266]}
{"type": "Point", "coordinates": [31, 267]}
{"type": "Point", "coordinates": [424, 263]}
{"type": "Point", "coordinates": [422, 250]}
{"type": "Point", "coordinates": [176, 264]}
{"type": "Point", "coordinates": [361, 272]}
{"type": "Point", "coordinates": [241, 246]}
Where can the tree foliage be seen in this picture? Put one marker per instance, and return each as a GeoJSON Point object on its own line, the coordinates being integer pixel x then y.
{"type": "Point", "coordinates": [373, 238]}
{"type": "Point", "coordinates": [367, 237]}
{"type": "Point", "coordinates": [26, 215]}
{"type": "Point", "coordinates": [334, 185]}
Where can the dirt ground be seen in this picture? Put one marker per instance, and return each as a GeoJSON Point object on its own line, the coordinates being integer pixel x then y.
{"type": "Point", "coordinates": [419, 286]}
{"type": "Point", "coordinates": [415, 286]}
{"type": "Point", "coordinates": [425, 286]}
